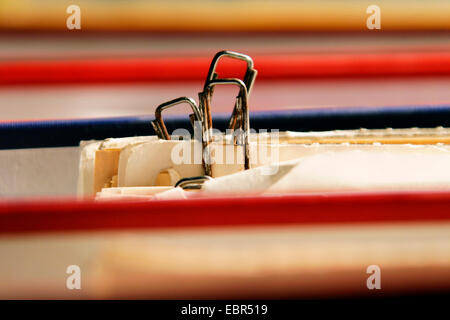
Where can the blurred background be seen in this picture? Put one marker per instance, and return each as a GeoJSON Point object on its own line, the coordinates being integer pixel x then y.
{"type": "Point", "coordinates": [129, 56]}
{"type": "Point", "coordinates": [108, 58]}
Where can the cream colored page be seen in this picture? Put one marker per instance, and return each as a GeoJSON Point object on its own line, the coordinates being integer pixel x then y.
{"type": "Point", "coordinates": [319, 168]}
{"type": "Point", "coordinates": [85, 186]}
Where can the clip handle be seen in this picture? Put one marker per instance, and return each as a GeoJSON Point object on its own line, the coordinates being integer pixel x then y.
{"type": "Point", "coordinates": [250, 73]}
{"type": "Point", "coordinates": [158, 123]}
{"type": "Point", "coordinates": [249, 79]}
{"type": "Point", "coordinates": [242, 113]}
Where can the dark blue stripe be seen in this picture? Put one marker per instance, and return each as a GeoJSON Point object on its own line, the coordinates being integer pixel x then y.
{"type": "Point", "coordinates": [63, 133]}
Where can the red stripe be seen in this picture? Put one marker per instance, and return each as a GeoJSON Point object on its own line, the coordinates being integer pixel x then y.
{"type": "Point", "coordinates": [255, 211]}
{"type": "Point", "coordinates": [195, 68]}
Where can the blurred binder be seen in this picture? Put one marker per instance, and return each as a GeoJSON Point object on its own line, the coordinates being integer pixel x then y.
{"type": "Point", "coordinates": [280, 243]}
{"type": "Point", "coordinates": [202, 15]}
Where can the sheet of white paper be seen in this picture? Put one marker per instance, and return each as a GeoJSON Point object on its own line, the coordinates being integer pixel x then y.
{"type": "Point", "coordinates": [39, 172]}
{"type": "Point", "coordinates": [346, 168]}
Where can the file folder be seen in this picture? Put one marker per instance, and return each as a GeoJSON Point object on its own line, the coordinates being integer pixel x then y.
{"type": "Point", "coordinates": [66, 133]}
{"type": "Point", "coordinates": [317, 244]}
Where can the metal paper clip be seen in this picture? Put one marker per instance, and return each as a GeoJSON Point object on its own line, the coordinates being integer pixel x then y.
{"type": "Point", "coordinates": [248, 80]}
{"type": "Point", "coordinates": [239, 118]}
{"type": "Point", "coordinates": [250, 73]}
{"type": "Point", "coordinates": [192, 183]}
{"type": "Point", "coordinates": [242, 115]}
{"type": "Point", "coordinates": [158, 123]}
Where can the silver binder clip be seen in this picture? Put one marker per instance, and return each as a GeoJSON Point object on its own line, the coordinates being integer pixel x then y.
{"type": "Point", "coordinates": [242, 116]}
{"type": "Point", "coordinates": [250, 74]}
{"type": "Point", "coordinates": [239, 122]}
{"type": "Point", "coordinates": [249, 79]}
{"type": "Point", "coordinates": [158, 123]}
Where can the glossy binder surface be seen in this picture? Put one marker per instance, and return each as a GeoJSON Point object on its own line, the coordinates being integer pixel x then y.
{"type": "Point", "coordinates": [273, 66]}
{"type": "Point", "coordinates": [313, 209]}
